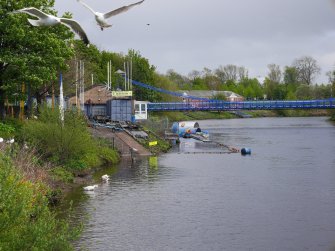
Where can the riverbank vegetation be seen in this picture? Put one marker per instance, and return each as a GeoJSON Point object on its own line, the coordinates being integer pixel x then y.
{"type": "Point", "coordinates": [60, 149]}
{"type": "Point", "coordinates": [26, 220]}
{"type": "Point", "coordinates": [66, 143]}
{"type": "Point", "coordinates": [202, 115]}
{"type": "Point", "coordinates": [44, 159]}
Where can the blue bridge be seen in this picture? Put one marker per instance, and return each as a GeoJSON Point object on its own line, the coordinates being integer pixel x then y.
{"type": "Point", "coordinates": [218, 105]}
{"type": "Point", "coordinates": [194, 103]}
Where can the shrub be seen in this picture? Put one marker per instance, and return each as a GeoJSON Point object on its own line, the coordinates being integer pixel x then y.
{"type": "Point", "coordinates": [59, 173]}
{"type": "Point", "coordinates": [69, 144]}
{"type": "Point", "coordinates": [6, 131]}
{"type": "Point", "coordinates": [26, 222]}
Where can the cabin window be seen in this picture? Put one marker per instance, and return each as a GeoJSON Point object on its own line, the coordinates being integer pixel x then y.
{"type": "Point", "coordinates": [137, 108]}
{"type": "Point", "coordinates": [142, 108]}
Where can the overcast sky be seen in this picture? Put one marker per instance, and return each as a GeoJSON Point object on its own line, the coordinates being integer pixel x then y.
{"type": "Point", "coordinates": [186, 35]}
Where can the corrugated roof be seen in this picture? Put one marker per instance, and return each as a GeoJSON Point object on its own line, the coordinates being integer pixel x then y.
{"type": "Point", "coordinates": [95, 95]}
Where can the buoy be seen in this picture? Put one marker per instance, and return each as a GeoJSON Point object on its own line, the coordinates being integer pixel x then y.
{"type": "Point", "coordinates": [245, 151]}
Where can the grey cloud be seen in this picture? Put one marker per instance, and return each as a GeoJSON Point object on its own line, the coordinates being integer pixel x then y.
{"type": "Point", "coordinates": [191, 34]}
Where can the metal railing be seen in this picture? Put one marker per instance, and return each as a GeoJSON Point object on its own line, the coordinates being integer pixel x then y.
{"type": "Point", "coordinates": [218, 105]}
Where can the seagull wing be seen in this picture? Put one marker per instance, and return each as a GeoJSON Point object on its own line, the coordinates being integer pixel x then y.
{"type": "Point", "coordinates": [120, 10]}
{"type": "Point", "coordinates": [33, 12]}
{"type": "Point", "coordinates": [75, 26]}
{"type": "Point", "coordinates": [88, 7]}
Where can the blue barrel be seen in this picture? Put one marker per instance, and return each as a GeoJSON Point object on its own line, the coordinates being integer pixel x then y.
{"type": "Point", "coordinates": [245, 151]}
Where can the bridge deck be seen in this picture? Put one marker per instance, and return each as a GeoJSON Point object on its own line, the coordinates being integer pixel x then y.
{"type": "Point", "coordinates": [218, 105]}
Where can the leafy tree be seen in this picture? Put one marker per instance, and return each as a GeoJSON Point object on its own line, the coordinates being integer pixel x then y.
{"type": "Point", "coordinates": [177, 78]}
{"type": "Point", "coordinates": [211, 81]}
{"type": "Point", "coordinates": [304, 92]}
{"type": "Point", "coordinates": [290, 75]}
{"type": "Point", "coordinates": [321, 91]}
{"type": "Point", "coordinates": [219, 96]}
{"type": "Point", "coordinates": [199, 84]}
{"type": "Point", "coordinates": [291, 96]}
{"type": "Point", "coordinates": [92, 59]}
{"type": "Point", "coordinates": [220, 73]}
{"type": "Point", "coordinates": [331, 78]}
{"type": "Point", "coordinates": [270, 87]}
{"type": "Point", "coordinates": [165, 83]}
{"type": "Point", "coordinates": [30, 55]}
{"type": "Point", "coordinates": [142, 72]}
{"type": "Point", "coordinates": [228, 72]}
{"type": "Point", "coordinates": [274, 74]}
{"type": "Point", "coordinates": [194, 74]}
{"type": "Point", "coordinates": [242, 73]}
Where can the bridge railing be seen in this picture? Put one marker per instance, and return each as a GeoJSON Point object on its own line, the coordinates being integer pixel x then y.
{"type": "Point", "coordinates": [219, 105]}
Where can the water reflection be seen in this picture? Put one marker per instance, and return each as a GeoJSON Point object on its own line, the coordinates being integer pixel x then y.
{"type": "Point", "coordinates": [279, 198]}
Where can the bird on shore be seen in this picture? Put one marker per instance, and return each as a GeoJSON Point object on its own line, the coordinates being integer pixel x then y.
{"type": "Point", "coordinates": [105, 177]}
{"type": "Point", "coordinates": [101, 18]}
{"type": "Point", "coordinates": [10, 141]}
{"type": "Point", "coordinates": [51, 20]}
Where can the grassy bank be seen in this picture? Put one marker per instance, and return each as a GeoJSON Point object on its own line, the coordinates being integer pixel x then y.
{"type": "Point", "coordinates": [198, 115]}
{"type": "Point", "coordinates": [162, 146]}
{"type": "Point", "coordinates": [45, 160]}
{"type": "Point", "coordinates": [26, 221]}
{"type": "Point", "coordinates": [202, 115]}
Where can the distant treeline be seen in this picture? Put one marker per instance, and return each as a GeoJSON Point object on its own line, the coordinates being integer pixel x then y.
{"type": "Point", "coordinates": [32, 58]}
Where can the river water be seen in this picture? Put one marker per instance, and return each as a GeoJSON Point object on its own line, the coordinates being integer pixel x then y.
{"type": "Point", "coordinates": [281, 197]}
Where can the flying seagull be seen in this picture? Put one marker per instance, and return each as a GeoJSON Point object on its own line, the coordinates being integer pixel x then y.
{"type": "Point", "coordinates": [101, 17]}
{"type": "Point", "coordinates": [50, 20]}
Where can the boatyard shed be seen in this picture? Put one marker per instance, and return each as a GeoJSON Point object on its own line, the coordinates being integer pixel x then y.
{"type": "Point", "coordinates": [95, 99]}
{"type": "Point", "coordinates": [102, 103]}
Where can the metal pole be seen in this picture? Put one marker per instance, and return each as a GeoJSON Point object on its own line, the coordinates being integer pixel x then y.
{"type": "Point", "coordinates": [22, 103]}
{"type": "Point", "coordinates": [129, 76]}
{"type": "Point", "coordinates": [83, 88]}
{"type": "Point", "coordinates": [53, 97]}
{"type": "Point", "coordinates": [110, 75]}
{"type": "Point", "coordinates": [77, 79]}
{"type": "Point", "coordinates": [107, 75]}
{"type": "Point", "coordinates": [131, 73]}
{"type": "Point", "coordinates": [125, 75]}
{"type": "Point", "coordinates": [61, 98]}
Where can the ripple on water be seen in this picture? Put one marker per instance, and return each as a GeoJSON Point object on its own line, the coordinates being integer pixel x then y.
{"type": "Point", "coordinates": [279, 198]}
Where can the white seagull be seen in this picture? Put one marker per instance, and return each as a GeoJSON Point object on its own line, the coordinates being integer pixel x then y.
{"type": "Point", "coordinates": [50, 20]}
{"type": "Point", "coordinates": [105, 177]}
{"type": "Point", "coordinates": [101, 17]}
{"type": "Point", "coordinates": [90, 188]}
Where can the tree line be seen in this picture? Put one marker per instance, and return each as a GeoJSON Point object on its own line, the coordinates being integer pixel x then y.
{"type": "Point", "coordinates": [34, 57]}
{"type": "Point", "coordinates": [290, 83]}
